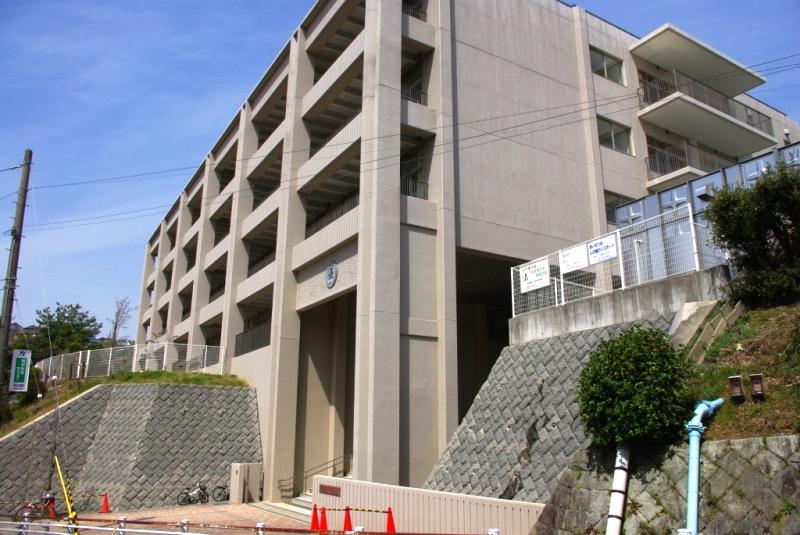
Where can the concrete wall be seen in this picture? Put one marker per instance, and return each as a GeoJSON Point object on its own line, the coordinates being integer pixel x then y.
{"type": "Point", "coordinates": [140, 443]}
{"type": "Point", "coordinates": [748, 485]}
{"type": "Point", "coordinates": [421, 511]}
{"type": "Point", "coordinates": [621, 306]}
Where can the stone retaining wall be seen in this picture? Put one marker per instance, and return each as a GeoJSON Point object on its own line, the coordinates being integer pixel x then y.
{"type": "Point", "coordinates": [140, 443]}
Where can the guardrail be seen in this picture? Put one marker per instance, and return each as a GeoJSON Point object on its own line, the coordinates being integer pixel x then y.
{"type": "Point", "coordinates": [162, 356]}
{"type": "Point", "coordinates": [663, 246]}
{"type": "Point", "coordinates": [651, 91]}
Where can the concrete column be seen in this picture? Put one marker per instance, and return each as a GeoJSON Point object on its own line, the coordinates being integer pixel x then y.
{"type": "Point", "coordinates": [144, 299]}
{"type": "Point", "coordinates": [179, 264]}
{"type": "Point", "coordinates": [242, 202]}
{"type": "Point", "coordinates": [205, 242]}
{"type": "Point", "coordinates": [278, 412]}
{"type": "Point", "coordinates": [441, 98]}
{"type": "Point", "coordinates": [376, 446]}
{"type": "Point", "coordinates": [160, 286]}
{"type": "Point", "coordinates": [594, 160]}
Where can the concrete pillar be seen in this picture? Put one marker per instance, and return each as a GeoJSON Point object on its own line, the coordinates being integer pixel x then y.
{"type": "Point", "coordinates": [376, 445]}
{"type": "Point", "coordinates": [278, 413]}
{"type": "Point", "coordinates": [441, 99]}
{"type": "Point", "coordinates": [242, 202]}
{"type": "Point", "coordinates": [205, 242]}
{"type": "Point", "coordinates": [179, 264]}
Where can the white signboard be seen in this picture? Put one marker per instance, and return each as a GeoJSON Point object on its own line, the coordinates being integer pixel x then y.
{"type": "Point", "coordinates": [20, 366]}
{"type": "Point", "coordinates": [573, 258]}
{"type": "Point", "coordinates": [535, 275]}
{"type": "Point", "coordinates": [602, 249]}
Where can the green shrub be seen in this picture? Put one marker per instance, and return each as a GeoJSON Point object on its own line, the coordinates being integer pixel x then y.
{"type": "Point", "coordinates": [633, 389]}
{"type": "Point", "coordinates": [760, 226]}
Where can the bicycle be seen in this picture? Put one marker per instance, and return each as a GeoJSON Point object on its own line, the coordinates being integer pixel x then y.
{"type": "Point", "coordinates": [46, 506]}
{"type": "Point", "coordinates": [199, 494]}
{"type": "Point", "coordinates": [221, 493]}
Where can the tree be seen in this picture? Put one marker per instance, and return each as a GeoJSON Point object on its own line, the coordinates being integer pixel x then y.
{"type": "Point", "coordinates": [633, 389]}
{"type": "Point", "coordinates": [760, 227]}
{"type": "Point", "coordinates": [68, 329]}
{"type": "Point", "coordinates": [122, 315]}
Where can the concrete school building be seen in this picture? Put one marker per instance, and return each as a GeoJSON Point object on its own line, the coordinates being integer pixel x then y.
{"type": "Point", "coordinates": [347, 240]}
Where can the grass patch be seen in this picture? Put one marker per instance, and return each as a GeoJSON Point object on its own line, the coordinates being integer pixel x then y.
{"type": "Point", "coordinates": [68, 389]}
{"type": "Point", "coordinates": [761, 341]}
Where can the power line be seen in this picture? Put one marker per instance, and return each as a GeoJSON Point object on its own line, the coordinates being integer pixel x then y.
{"type": "Point", "coordinates": [212, 199]}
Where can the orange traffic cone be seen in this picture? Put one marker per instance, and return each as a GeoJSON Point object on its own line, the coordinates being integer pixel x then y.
{"type": "Point", "coordinates": [323, 519]}
{"type": "Point", "coordinates": [390, 522]}
{"type": "Point", "coordinates": [314, 521]}
{"type": "Point", "coordinates": [348, 524]}
{"type": "Point", "coordinates": [104, 504]}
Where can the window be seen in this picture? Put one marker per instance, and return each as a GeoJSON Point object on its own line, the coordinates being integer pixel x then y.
{"type": "Point", "coordinates": [606, 66]}
{"type": "Point", "coordinates": [614, 200]}
{"type": "Point", "coordinates": [614, 135]}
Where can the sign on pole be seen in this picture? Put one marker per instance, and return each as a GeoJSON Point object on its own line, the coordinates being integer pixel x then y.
{"type": "Point", "coordinates": [534, 275]}
{"type": "Point", "coordinates": [20, 366]}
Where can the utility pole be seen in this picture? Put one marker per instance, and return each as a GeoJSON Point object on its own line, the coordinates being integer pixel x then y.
{"type": "Point", "coordinates": [11, 274]}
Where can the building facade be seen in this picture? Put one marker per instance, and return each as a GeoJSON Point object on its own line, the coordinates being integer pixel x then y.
{"type": "Point", "coordinates": [347, 240]}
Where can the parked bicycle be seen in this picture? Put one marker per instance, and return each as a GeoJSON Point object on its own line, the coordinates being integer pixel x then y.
{"type": "Point", "coordinates": [39, 509]}
{"type": "Point", "coordinates": [199, 494]}
{"type": "Point", "coordinates": [221, 493]}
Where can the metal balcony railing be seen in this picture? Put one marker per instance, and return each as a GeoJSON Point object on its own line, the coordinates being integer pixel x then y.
{"type": "Point", "coordinates": [332, 215]}
{"type": "Point", "coordinates": [252, 339]}
{"type": "Point", "coordinates": [414, 95]}
{"type": "Point", "coordinates": [414, 11]}
{"type": "Point", "coordinates": [413, 187]}
{"type": "Point", "coordinates": [662, 161]}
{"type": "Point", "coordinates": [674, 81]}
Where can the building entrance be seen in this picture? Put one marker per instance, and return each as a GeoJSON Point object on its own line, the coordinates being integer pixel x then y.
{"type": "Point", "coordinates": [324, 435]}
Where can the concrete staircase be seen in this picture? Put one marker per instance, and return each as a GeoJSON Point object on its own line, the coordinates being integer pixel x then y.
{"type": "Point", "coordinates": [299, 508]}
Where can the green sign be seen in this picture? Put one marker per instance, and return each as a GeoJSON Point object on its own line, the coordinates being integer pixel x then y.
{"type": "Point", "coordinates": [20, 364]}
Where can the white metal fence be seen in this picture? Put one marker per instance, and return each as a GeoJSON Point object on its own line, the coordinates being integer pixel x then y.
{"type": "Point", "coordinates": [669, 244]}
{"type": "Point", "coordinates": [164, 356]}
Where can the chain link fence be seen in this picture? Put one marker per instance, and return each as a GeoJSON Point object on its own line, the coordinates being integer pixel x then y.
{"type": "Point", "coordinates": [669, 244]}
{"type": "Point", "coordinates": [165, 356]}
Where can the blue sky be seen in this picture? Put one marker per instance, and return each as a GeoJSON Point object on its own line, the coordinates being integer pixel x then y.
{"type": "Point", "coordinates": [108, 89]}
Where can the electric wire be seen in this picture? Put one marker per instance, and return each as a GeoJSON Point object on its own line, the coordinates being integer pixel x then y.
{"type": "Point", "coordinates": [211, 199]}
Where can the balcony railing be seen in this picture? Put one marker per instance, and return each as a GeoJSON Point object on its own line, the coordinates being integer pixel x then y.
{"type": "Point", "coordinates": [332, 215]}
{"type": "Point", "coordinates": [414, 95]}
{"type": "Point", "coordinates": [251, 339]}
{"type": "Point", "coordinates": [662, 161]}
{"type": "Point", "coordinates": [259, 263]}
{"type": "Point", "coordinates": [413, 187]}
{"type": "Point", "coordinates": [658, 89]}
{"type": "Point", "coordinates": [414, 11]}
{"type": "Point", "coordinates": [215, 293]}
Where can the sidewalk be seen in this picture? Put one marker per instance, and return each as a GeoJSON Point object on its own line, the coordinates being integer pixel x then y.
{"type": "Point", "coordinates": [203, 518]}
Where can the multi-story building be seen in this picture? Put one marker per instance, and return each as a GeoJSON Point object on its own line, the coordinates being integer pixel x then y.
{"type": "Point", "coordinates": [348, 238]}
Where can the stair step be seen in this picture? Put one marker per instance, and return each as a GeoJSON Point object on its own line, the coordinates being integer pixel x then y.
{"type": "Point", "coordinates": [305, 501]}
{"type": "Point", "coordinates": [301, 514]}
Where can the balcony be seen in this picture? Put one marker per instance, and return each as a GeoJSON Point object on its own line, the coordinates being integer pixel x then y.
{"type": "Point", "coordinates": [252, 339]}
{"type": "Point", "coordinates": [332, 214]}
{"type": "Point", "coordinates": [414, 94]}
{"type": "Point", "coordinates": [671, 48]}
{"type": "Point", "coordinates": [674, 164]}
{"type": "Point", "coordinates": [413, 187]}
{"type": "Point", "coordinates": [415, 11]}
{"type": "Point", "coordinates": [693, 110]}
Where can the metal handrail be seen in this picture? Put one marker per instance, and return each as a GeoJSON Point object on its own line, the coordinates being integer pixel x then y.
{"type": "Point", "coordinates": [283, 484]}
{"type": "Point", "coordinates": [674, 81]}
{"type": "Point", "coordinates": [413, 187]}
{"type": "Point", "coordinates": [414, 11]}
{"type": "Point", "coordinates": [414, 94]}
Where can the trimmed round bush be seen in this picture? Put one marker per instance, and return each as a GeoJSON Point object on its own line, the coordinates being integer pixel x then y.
{"type": "Point", "coordinates": [633, 389]}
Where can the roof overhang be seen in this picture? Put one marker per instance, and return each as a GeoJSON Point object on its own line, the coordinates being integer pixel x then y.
{"type": "Point", "coordinates": [692, 119]}
{"type": "Point", "coordinates": [671, 48]}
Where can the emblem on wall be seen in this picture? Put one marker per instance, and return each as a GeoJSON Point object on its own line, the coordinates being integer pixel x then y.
{"type": "Point", "coordinates": [331, 273]}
